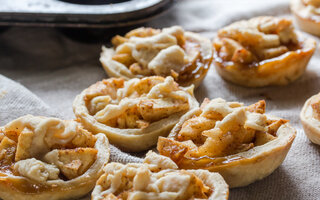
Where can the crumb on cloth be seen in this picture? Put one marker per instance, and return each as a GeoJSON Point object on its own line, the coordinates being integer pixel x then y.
{"type": "Point", "coordinates": [3, 93]}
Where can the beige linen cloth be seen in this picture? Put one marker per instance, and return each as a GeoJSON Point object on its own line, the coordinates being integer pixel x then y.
{"type": "Point", "coordinates": [54, 68]}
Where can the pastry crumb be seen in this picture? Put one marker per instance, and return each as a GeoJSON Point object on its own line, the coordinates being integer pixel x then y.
{"type": "Point", "coordinates": [3, 93]}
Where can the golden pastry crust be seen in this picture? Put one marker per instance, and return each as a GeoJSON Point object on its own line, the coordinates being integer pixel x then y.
{"type": "Point", "coordinates": [241, 143]}
{"type": "Point", "coordinates": [261, 51]}
{"type": "Point", "coordinates": [134, 113]}
{"type": "Point", "coordinates": [158, 178]}
{"type": "Point", "coordinates": [48, 158]}
{"type": "Point", "coordinates": [310, 118]}
{"type": "Point", "coordinates": [143, 52]}
{"type": "Point", "coordinates": [307, 15]}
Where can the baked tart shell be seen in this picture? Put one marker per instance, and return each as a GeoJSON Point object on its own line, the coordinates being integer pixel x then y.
{"type": "Point", "coordinates": [311, 126]}
{"type": "Point", "coordinates": [240, 169]}
{"type": "Point", "coordinates": [20, 188]}
{"type": "Point", "coordinates": [129, 140]}
{"type": "Point", "coordinates": [212, 180]}
{"type": "Point", "coordinates": [159, 169]}
{"type": "Point", "coordinates": [307, 24]}
{"type": "Point", "coordinates": [195, 78]}
{"type": "Point", "coordinates": [280, 70]}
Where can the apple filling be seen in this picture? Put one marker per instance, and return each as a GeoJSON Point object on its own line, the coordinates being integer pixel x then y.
{"type": "Point", "coordinates": [135, 103]}
{"type": "Point", "coordinates": [221, 129]}
{"type": "Point", "coordinates": [156, 178]}
{"type": "Point", "coordinates": [43, 149]}
{"type": "Point", "coordinates": [255, 40]}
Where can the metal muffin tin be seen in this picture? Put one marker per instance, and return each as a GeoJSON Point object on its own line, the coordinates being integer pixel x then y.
{"type": "Point", "coordinates": [80, 13]}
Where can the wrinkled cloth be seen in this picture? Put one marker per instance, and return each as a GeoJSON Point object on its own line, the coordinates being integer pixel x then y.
{"type": "Point", "coordinates": [49, 68]}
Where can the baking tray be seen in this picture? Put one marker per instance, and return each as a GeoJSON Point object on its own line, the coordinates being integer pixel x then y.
{"type": "Point", "coordinates": [80, 13]}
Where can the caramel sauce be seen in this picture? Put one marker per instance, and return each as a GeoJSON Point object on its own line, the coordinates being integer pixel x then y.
{"type": "Point", "coordinates": [26, 186]}
{"type": "Point", "coordinates": [20, 184]}
{"type": "Point", "coordinates": [197, 69]}
{"type": "Point", "coordinates": [296, 48]}
{"type": "Point", "coordinates": [207, 161]}
{"type": "Point", "coordinates": [202, 162]}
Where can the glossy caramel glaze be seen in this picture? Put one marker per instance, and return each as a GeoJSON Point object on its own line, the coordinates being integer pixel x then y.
{"type": "Point", "coordinates": [293, 49]}
{"type": "Point", "coordinates": [193, 72]}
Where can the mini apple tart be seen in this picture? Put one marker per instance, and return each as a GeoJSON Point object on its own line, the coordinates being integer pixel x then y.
{"type": "Point", "coordinates": [307, 15]}
{"type": "Point", "coordinates": [47, 158]}
{"type": "Point", "coordinates": [158, 178]}
{"type": "Point", "coordinates": [240, 142]}
{"type": "Point", "coordinates": [134, 113]}
{"type": "Point", "coordinates": [261, 51]}
{"type": "Point", "coordinates": [143, 52]}
{"type": "Point", "coordinates": [310, 118]}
